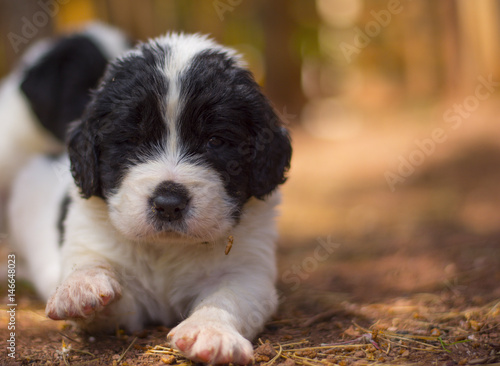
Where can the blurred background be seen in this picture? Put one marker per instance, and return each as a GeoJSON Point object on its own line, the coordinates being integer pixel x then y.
{"type": "Point", "coordinates": [393, 107]}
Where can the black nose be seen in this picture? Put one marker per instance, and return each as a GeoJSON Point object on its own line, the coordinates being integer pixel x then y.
{"type": "Point", "coordinates": [169, 201]}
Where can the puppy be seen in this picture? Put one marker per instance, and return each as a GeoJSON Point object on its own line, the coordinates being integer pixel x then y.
{"type": "Point", "coordinates": [177, 156]}
{"type": "Point", "coordinates": [49, 89]}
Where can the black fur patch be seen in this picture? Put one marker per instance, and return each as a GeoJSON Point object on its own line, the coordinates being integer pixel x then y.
{"type": "Point", "coordinates": [223, 101]}
{"type": "Point", "coordinates": [58, 85]}
{"type": "Point", "coordinates": [63, 212]}
{"type": "Point", "coordinates": [123, 124]}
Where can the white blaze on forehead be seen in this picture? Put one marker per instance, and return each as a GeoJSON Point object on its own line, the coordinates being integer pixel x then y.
{"type": "Point", "coordinates": [181, 49]}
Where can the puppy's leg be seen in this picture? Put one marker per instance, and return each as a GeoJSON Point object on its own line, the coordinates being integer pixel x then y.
{"type": "Point", "coordinates": [216, 329]}
{"type": "Point", "coordinates": [83, 293]}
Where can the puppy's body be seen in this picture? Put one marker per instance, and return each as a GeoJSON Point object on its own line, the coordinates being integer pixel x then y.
{"type": "Point", "coordinates": [177, 151]}
{"type": "Point", "coordinates": [158, 284]}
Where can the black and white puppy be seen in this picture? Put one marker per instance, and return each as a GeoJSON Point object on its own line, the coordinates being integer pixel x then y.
{"type": "Point", "coordinates": [49, 89]}
{"type": "Point", "coordinates": [177, 156]}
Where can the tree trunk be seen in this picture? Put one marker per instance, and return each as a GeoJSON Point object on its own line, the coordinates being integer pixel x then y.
{"type": "Point", "coordinates": [282, 63]}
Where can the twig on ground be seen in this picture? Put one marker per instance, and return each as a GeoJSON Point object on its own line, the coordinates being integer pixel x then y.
{"type": "Point", "coordinates": [68, 337]}
{"type": "Point", "coordinates": [278, 355]}
{"type": "Point", "coordinates": [365, 338]}
{"type": "Point", "coordinates": [123, 354]}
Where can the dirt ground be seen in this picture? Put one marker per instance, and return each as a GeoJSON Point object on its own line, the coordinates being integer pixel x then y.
{"type": "Point", "coordinates": [368, 275]}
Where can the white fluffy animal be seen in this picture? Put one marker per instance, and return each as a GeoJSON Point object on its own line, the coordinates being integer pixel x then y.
{"type": "Point", "coordinates": [177, 153]}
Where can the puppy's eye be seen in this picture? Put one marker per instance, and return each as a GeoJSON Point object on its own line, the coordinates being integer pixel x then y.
{"type": "Point", "coordinates": [215, 142]}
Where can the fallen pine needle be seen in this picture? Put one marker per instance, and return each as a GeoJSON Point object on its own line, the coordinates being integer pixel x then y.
{"type": "Point", "coordinates": [83, 352]}
{"type": "Point", "coordinates": [410, 336]}
{"type": "Point", "coordinates": [326, 347]}
{"type": "Point", "coordinates": [125, 352]}
{"type": "Point", "coordinates": [436, 349]}
{"type": "Point", "coordinates": [294, 343]}
{"type": "Point", "coordinates": [66, 336]}
{"type": "Point", "coordinates": [270, 362]}
{"type": "Point", "coordinates": [161, 350]}
{"type": "Point", "coordinates": [364, 338]}
{"type": "Point", "coordinates": [305, 361]}
{"type": "Point", "coordinates": [164, 350]}
{"type": "Point", "coordinates": [435, 339]}
{"type": "Point", "coordinates": [444, 344]}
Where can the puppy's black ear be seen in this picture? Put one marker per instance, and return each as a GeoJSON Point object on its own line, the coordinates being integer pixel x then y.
{"type": "Point", "coordinates": [84, 157]}
{"type": "Point", "coordinates": [57, 85]}
{"type": "Point", "coordinates": [272, 153]}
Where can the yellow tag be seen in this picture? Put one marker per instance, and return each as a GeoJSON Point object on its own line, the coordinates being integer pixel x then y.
{"type": "Point", "coordinates": [230, 241]}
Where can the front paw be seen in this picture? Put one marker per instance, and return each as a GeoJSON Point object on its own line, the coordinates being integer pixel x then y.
{"type": "Point", "coordinates": [211, 342]}
{"type": "Point", "coordinates": [82, 294]}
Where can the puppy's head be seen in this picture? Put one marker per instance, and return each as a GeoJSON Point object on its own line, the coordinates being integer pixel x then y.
{"type": "Point", "coordinates": [176, 139]}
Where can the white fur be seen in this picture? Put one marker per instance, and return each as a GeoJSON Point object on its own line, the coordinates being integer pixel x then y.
{"type": "Point", "coordinates": [21, 136]}
{"type": "Point", "coordinates": [33, 212]}
{"type": "Point", "coordinates": [167, 281]}
{"type": "Point", "coordinates": [207, 219]}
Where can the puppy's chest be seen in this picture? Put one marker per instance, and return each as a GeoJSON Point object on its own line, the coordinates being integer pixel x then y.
{"type": "Point", "coordinates": [172, 277]}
